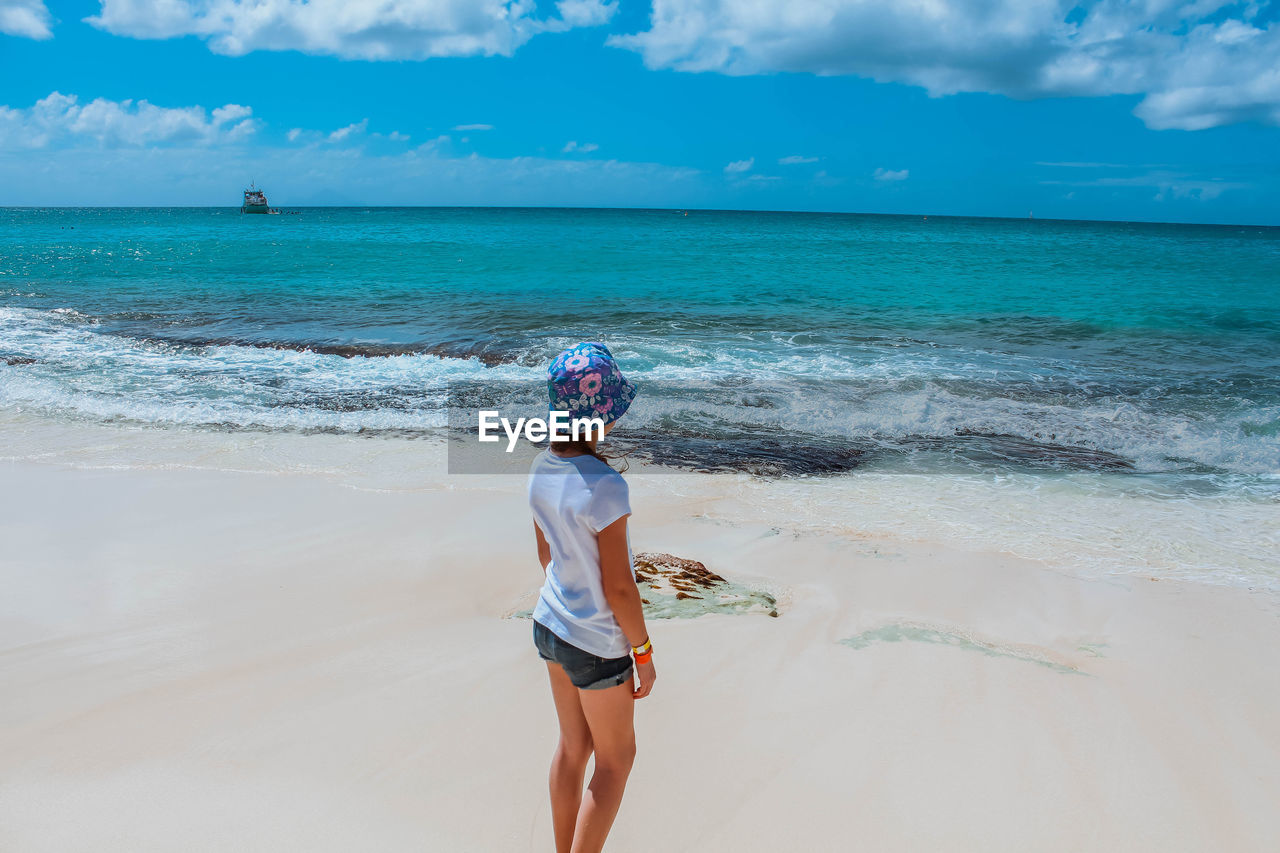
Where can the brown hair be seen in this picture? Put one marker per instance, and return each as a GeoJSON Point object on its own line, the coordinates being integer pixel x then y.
{"type": "Point", "coordinates": [574, 447]}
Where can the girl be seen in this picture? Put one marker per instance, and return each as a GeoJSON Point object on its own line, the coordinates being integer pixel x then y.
{"type": "Point", "coordinates": [588, 621]}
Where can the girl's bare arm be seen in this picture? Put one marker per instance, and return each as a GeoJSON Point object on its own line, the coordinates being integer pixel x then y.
{"type": "Point", "coordinates": [544, 550]}
{"type": "Point", "coordinates": [624, 598]}
{"type": "Point", "coordinates": [620, 582]}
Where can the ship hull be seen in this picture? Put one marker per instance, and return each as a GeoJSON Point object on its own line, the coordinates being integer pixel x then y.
{"type": "Point", "coordinates": [255, 208]}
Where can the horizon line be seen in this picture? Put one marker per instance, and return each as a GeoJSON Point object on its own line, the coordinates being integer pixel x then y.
{"type": "Point", "coordinates": [922, 216]}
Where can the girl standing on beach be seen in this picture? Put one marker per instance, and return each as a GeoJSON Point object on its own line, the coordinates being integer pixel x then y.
{"type": "Point", "coordinates": [588, 621]}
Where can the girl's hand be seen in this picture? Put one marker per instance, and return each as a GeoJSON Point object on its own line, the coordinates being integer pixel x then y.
{"type": "Point", "coordinates": [646, 675]}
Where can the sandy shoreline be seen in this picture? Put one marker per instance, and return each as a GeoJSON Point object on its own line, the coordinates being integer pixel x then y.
{"type": "Point", "coordinates": [204, 660]}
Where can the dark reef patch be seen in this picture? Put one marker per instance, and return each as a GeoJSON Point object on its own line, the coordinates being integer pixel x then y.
{"type": "Point", "coordinates": [488, 353]}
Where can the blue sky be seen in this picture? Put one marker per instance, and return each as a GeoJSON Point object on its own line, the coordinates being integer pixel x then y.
{"type": "Point", "coordinates": [1155, 110]}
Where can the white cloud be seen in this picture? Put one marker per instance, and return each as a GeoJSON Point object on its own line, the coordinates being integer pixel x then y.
{"type": "Point", "coordinates": [822, 179]}
{"type": "Point", "coordinates": [61, 119]}
{"type": "Point", "coordinates": [357, 132]}
{"type": "Point", "coordinates": [324, 174]}
{"type": "Point", "coordinates": [440, 143]}
{"type": "Point", "coordinates": [357, 129]}
{"type": "Point", "coordinates": [1167, 183]}
{"type": "Point", "coordinates": [352, 29]}
{"type": "Point", "coordinates": [796, 160]}
{"type": "Point", "coordinates": [1197, 64]}
{"type": "Point", "coordinates": [585, 13]}
{"type": "Point", "coordinates": [883, 174]}
{"type": "Point", "coordinates": [739, 166]}
{"type": "Point", "coordinates": [26, 18]}
{"type": "Point", "coordinates": [1075, 164]}
{"type": "Point", "coordinates": [133, 152]}
{"type": "Point", "coordinates": [466, 127]}
{"type": "Point", "coordinates": [580, 147]}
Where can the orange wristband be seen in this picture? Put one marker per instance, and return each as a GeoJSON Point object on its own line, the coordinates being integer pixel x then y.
{"type": "Point", "coordinates": [646, 657]}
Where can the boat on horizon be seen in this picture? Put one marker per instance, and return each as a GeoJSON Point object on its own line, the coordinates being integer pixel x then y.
{"type": "Point", "coordinates": [255, 201]}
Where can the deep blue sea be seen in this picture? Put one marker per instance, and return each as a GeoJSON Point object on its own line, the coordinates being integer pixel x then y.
{"type": "Point", "coordinates": [900, 342]}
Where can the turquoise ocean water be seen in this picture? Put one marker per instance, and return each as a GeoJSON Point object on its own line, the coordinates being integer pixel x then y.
{"type": "Point", "coordinates": [1144, 356]}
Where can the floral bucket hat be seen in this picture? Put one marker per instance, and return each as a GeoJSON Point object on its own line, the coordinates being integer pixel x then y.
{"type": "Point", "coordinates": [585, 381]}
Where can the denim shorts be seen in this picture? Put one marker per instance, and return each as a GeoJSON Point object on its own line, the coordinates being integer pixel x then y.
{"type": "Point", "coordinates": [585, 670]}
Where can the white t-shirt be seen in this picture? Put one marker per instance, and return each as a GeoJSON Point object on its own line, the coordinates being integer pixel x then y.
{"type": "Point", "coordinates": [572, 500]}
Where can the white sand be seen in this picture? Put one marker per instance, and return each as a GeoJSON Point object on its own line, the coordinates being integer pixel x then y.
{"type": "Point", "coordinates": [196, 660]}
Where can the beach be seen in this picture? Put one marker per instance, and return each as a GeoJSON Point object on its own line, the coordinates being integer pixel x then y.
{"type": "Point", "coordinates": [214, 657]}
{"type": "Point", "coordinates": [932, 351]}
{"type": "Point", "coordinates": [995, 505]}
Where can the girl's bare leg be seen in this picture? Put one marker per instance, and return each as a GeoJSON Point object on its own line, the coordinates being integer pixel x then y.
{"type": "Point", "coordinates": [570, 762]}
{"type": "Point", "coordinates": [609, 715]}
